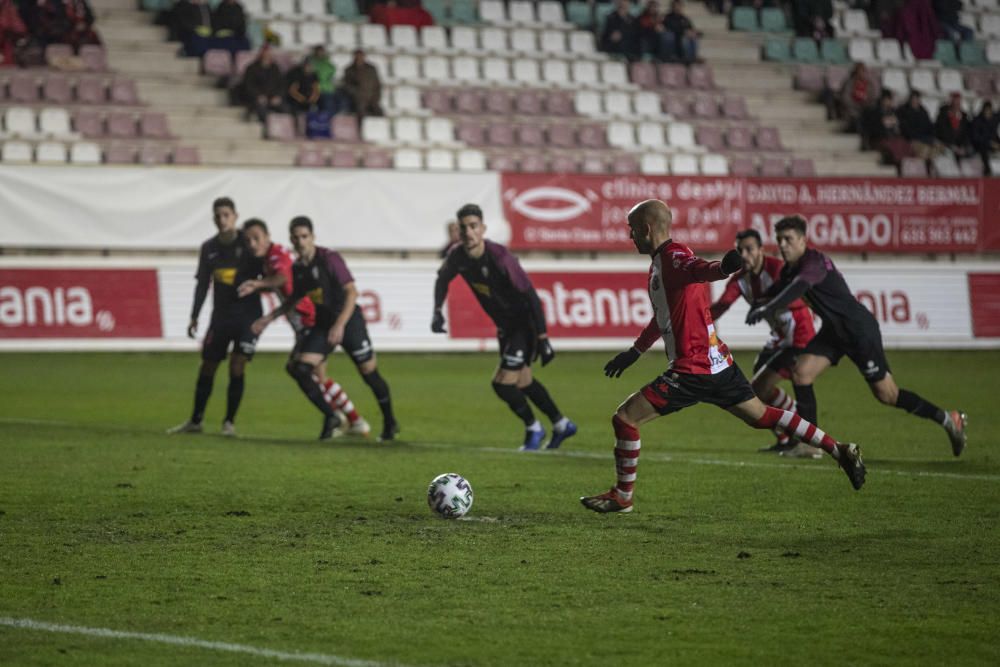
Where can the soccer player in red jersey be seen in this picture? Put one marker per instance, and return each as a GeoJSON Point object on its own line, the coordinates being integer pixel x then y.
{"type": "Point", "coordinates": [278, 277]}
{"type": "Point", "coordinates": [507, 296]}
{"type": "Point", "coordinates": [700, 369]}
{"type": "Point", "coordinates": [225, 261]}
{"type": "Point", "coordinates": [791, 329]}
{"type": "Point", "coordinates": [848, 329]}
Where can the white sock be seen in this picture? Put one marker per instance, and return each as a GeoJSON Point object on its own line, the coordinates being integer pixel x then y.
{"type": "Point", "coordinates": [537, 426]}
{"type": "Point", "coordinates": [561, 424]}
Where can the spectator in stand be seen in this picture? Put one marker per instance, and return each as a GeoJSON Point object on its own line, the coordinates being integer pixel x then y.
{"type": "Point", "coordinates": [679, 39]}
{"type": "Point", "coordinates": [947, 12]}
{"type": "Point", "coordinates": [916, 127]}
{"type": "Point", "coordinates": [303, 87]}
{"type": "Point", "coordinates": [12, 31]}
{"type": "Point", "coordinates": [326, 76]}
{"type": "Point", "coordinates": [857, 93]}
{"type": "Point", "coordinates": [47, 21]}
{"type": "Point", "coordinates": [264, 85]}
{"type": "Point", "coordinates": [619, 36]}
{"type": "Point", "coordinates": [813, 18]}
{"type": "Point", "coordinates": [880, 130]}
{"type": "Point", "coordinates": [649, 27]}
{"type": "Point", "coordinates": [916, 25]}
{"type": "Point", "coordinates": [229, 27]}
{"type": "Point", "coordinates": [986, 135]}
{"type": "Point", "coordinates": [953, 127]}
{"type": "Point", "coordinates": [82, 34]}
{"type": "Point", "coordinates": [192, 25]}
{"type": "Point", "coordinates": [362, 86]}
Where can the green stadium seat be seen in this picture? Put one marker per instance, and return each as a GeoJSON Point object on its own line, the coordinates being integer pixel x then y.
{"type": "Point", "coordinates": [464, 12]}
{"type": "Point", "coordinates": [601, 13]}
{"type": "Point", "coordinates": [578, 13]}
{"type": "Point", "coordinates": [944, 53]}
{"type": "Point", "coordinates": [777, 50]}
{"type": "Point", "coordinates": [744, 19]}
{"type": "Point", "coordinates": [438, 9]}
{"type": "Point", "coordinates": [346, 10]}
{"type": "Point", "coordinates": [834, 52]}
{"type": "Point", "coordinates": [804, 50]}
{"type": "Point", "coordinates": [973, 54]}
{"type": "Point", "coordinates": [156, 5]}
{"type": "Point", "coordinates": [772, 19]}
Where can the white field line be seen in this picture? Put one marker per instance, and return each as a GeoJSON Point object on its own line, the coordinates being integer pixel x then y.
{"type": "Point", "coordinates": [647, 456]}
{"type": "Point", "coordinates": [175, 640]}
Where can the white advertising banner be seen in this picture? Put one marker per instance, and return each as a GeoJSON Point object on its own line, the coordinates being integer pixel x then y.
{"type": "Point", "coordinates": [93, 304]}
{"type": "Point", "coordinates": [142, 208]}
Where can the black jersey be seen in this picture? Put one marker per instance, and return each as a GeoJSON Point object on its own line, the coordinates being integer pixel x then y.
{"type": "Point", "coordinates": [500, 284]}
{"type": "Point", "coordinates": [322, 280]}
{"type": "Point", "coordinates": [225, 266]}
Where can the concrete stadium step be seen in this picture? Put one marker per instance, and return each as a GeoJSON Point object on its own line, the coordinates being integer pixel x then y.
{"type": "Point", "coordinates": [152, 64]}
{"type": "Point", "coordinates": [181, 109]}
{"type": "Point", "coordinates": [116, 32]}
{"type": "Point", "coordinates": [803, 141]}
{"type": "Point", "coordinates": [246, 156]}
{"type": "Point", "coordinates": [827, 166]}
{"type": "Point", "coordinates": [724, 50]}
{"type": "Point", "coordinates": [158, 93]}
{"type": "Point", "coordinates": [198, 128]}
{"type": "Point", "coordinates": [115, 4]}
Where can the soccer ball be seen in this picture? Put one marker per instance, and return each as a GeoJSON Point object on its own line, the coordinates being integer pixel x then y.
{"type": "Point", "coordinates": [449, 495]}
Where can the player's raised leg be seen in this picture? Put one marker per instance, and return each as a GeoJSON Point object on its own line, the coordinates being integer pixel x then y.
{"type": "Point", "coordinates": [953, 421]}
{"type": "Point", "coordinates": [847, 455]}
{"type": "Point", "coordinates": [633, 413]}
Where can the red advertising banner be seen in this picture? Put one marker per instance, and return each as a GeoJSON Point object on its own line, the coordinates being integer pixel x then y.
{"type": "Point", "coordinates": [588, 213]}
{"type": "Point", "coordinates": [598, 304]}
{"type": "Point", "coordinates": [984, 302]}
{"type": "Point", "coordinates": [79, 303]}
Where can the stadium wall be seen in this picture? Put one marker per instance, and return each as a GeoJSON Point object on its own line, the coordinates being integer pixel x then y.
{"type": "Point", "coordinates": [144, 304]}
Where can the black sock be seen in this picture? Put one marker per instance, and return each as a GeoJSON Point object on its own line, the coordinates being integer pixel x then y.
{"type": "Point", "coordinates": [202, 390]}
{"type": "Point", "coordinates": [380, 388]}
{"type": "Point", "coordinates": [233, 396]}
{"type": "Point", "coordinates": [918, 406]}
{"type": "Point", "coordinates": [514, 398]}
{"type": "Point", "coordinates": [539, 395]}
{"type": "Point", "coordinates": [303, 374]}
{"type": "Point", "coordinates": [805, 399]}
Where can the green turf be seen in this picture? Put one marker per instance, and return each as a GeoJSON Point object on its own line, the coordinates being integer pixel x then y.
{"type": "Point", "coordinates": [279, 542]}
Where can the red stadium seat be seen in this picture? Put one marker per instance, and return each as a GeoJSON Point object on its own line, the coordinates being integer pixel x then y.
{"type": "Point", "coordinates": [123, 92]}
{"type": "Point", "coordinates": [280, 126]}
{"type": "Point", "coordinates": [802, 167]}
{"type": "Point", "coordinates": [154, 154]}
{"type": "Point", "coordinates": [54, 52]}
{"type": "Point", "coordinates": [186, 155]}
{"type": "Point", "coordinates": [739, 139]}
{"type": "Point", "coordinates": [344, 128]}
{"type": "Point", "coordinates": [310, 156]}
{"type": "Point", "coordinates": [23, 87]}
{"type": "Point", "coordinates": [773, 167]}
{"type": "Point", "coordinates": [710, 136]}
{"type": "Point", "coordinates": [530, 135]}
{"type": "Point", "coordinates": [91, 90]}
{"type": "Point", "coordinates": [57, 89]}
{"type": "Point", "coordinates": [500, 134]}
{"type": "Point", "coordinates": [154, 125]}
{"type": "Point", "coordinates": [676, 105]}
{"type": "Point", "coordinates": [377, 159]}
{"type": "Point", "coordinates": [643, 74]}
{"type": "Point", "coordinates": [533, 163]}
{"type": "Point", "coordinates": [592, 136]}
{"type": "Point", "coordinates": [344, 158]}
{"type": "Point", "coordinates": [700, 76]}
{"type": "Point", "coordinates": [564, 164]}
{"type": "Point", "coordinates": [735, 108]}
{"type": "Point", "coordinates": [594, 164]}
{"type": "Point", "coordinates": [217, 62]}
{"type": "Point", "coordinates": [561, 135]}
{"type": "Point", "coordinates": [438, 100]}
{"type": "Point", "coordinates": [498, 102]}
{"type": "Point", "coordinates": [472, 133]}
{"type": "Point", "coordinates": [742, 166]}
{"type": "Point", "coordinates": [767, 139]}
{"type": "Point", "coordinates": [672, 76]}
{"type": "Point", "coordinates": [94, 57]}
{"type": "Point", "coordinates": [913, 167]}
{"type": "Point", "coordinates": [121, 125]}
{"type": "Point", "coordinates": [560, 103]}
{"type": "Point", "coordinates": [119, 154]}
{"type": "Point", "coordinates": [528, 102]}
{"type": "Point", "coordinates": [705, 106]}
{"type": "Point", "coordinates": [500, 161]}
{"type": "Point", "coordinates": [89, 123]}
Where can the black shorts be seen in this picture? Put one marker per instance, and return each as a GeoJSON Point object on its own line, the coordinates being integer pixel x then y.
{"type": "Point", "coordinates": [221, 333]}
{"type": "Point", "coordinates": [781, 360]}
{"type": "Point", "coordinates": [673, 391]}
{"type": "Point", "coordinates": [865, 351]}
{"type": "Point", "coordinates": [314, 340]}
{"type": "Point", "coordinates": [517, 347]}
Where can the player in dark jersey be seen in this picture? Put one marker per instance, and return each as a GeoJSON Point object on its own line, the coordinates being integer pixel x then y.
{"type": "Point", "coordinates": [278, 278]}
{"type": "Point", "coordinates": [322, 275]}
{"type": "Point", "coordinates": [848, 329]}
{"type": "Point", "coordinates": [225, 261]}
{"type": "Point", "coordinates": [506, 294]}
{"type": "Point", "coordinates": [791, 330]}
{"type": "Point", "coordinates": [700, 369]}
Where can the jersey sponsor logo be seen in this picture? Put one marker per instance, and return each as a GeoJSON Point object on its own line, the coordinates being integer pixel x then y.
{"type": "Point", "coordinates": [224, 276]}
{"type": "Point", "coordinates": [551, 203]}
{"type": "Point", "coordinates": [482, 288]}
{"type": "Point", "coordinates": [316, 295]}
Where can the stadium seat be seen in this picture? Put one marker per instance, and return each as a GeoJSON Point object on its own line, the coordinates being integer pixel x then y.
{"type": "Point", "coordinates": [440, 131]}
{"type": "Point", "coordinates": [406, 99]}
{"type": "Point", "coordinates": [465, 68]}
{"type": "Point", "coordinates": [492, 11]}
{"type": "Point", "coordinates": [217, 62]}
{"type": "Point", "coordinates": [57, 52]}
{"type": "Point", "coordinates": [836, 76]}
{"type": "Point", "coordinates": [742, 166]}
{"type": "Point", "coordinates": [471, 133]}
{"type": "Point", "coordinates": [154, 125]}
{"type": "Point", "coordinates": [521, 12]}
{"type": "Point", "coordinates": [970, 167]}
{"type": "Point", "coordinates": [344, 128]}
{"type": "Point", "coordinates": [578, 13]}
{"type": "Point", "coordinates": [647, 103]}
{"type": "Point", "coordinates": [993, 53]}
{"type": "Point", "coordinates": [672, 76]}
{"type": "Point", "coordinates": [313, 8]}
{"type": "Point", "coordinates": [346, 10]}
{"type": "Point", "coordinates": [405, 68]}
{"type": "Point", "coordinates": [944, 53]}
{"type": "Point", "coordinates": [705, 107]}
{"type": "Point", "coordinates": [279, 126]}
{"type": "Point", "coordinates": [154, 154]}
{"type": "Point", "coordinates": [804, 50]}
{"type": "Point", "coordinates": [468, 101]}
{"type": "Point", "coordinates": [530, 135]}
{"type": "Point", "coordinates": [564, 164]}
{"type": "Point", "coordinates": [714, 165]}
{"type": "Point", "coordinates": [435, 68]}
{"type": "Point", "coordinates": [252, 7]}
{"type": "Point", "coordinates": [500, 134]}
{"type": "Point", "coordinates": [281, 7]}
{"type": "Point", "coordinates": [553, 42]}
{"type": "Point", "coordinates": [744, 19]}
{"type": "Point", "coordinates": [20, 122]}
{"type": "Point", "coordinates": [650, 135]}
{"type": "Point", "coordinates": [979, 81]}
{"type": "Point", "coordinates": [700, 77]}
{"type": "Point", "coordinates": [621, 134]}
{"type": "Point", "coordinates": [22, 88]}
{"type": "Point", "coordinates": [946, 166]}
{"type": "Point", "coordinates": [654, 164]}
{"type": "Point", "coordinates": [438, 9]}
{"type": "Point", "coordinates": [802, 168]}
{"type": "Point", "coordinates": [739, 139]}
{"type": "Point", "coordinates": [534, 163]}
{"type": "Point", "coordinates": [85, 152]}
{"type": "Point", "coordinates": [408, 130]}
{"type": "Point", "coordinates": [614, 73]}
{"type": "Point", "coordinates": [809, 78]}
{"type": "Point", "coordinates": [376, 159]}
{"type": "Point", "coordinates": [523, 40]}
{"type": "Point", "coordinates": [285, 32]}
{"type": "Point", "coordinates": [592, 136]}
{"type": "Point", "coordinates": [493, 40]}
{"type": "Point", "coordinates": [529, 102]}
{"type": "Point", "coordinates": [772, 19]}
{"type": "Point", "coordinates": [463, 12]}
{"type": "Point", "coordinates": [372, 36]}
{"type": "Point", "coordinates": [123, 92]}
{"type": "Point", "coordinates": [94, 57]}
{"type": "Point", "coordinates": [922, 80]}
{"type": "Point", "coordinates": [344, 36]}
{"type": "Point", "coordinates": [471, 160]}
{"type": "Point", "coordinates": [735, 108]}
{"type": "Point", "coordinates": [972, 54]}
{"type": "Point", "coordinates": [559, 103]}
{"type": "Point", "coordinates": [54, 123]}
{"type": "Point", "coordinates": [408, 158]}
{"type": "Point", "coordinates": [684, 164]}
{"type": "Point", "coordinates": [375, 129]}
{"type": "Point", "coordinates": [680, 135]}
{"type": "Point", "coordinates": [913, 167]}
{"type": "Point", "coordinates": [56, 89]}
{"type": "Point", "coordinates": [440, 159]}
{"type": "Point", "coordinates": [502, 161]}
{"type": "Point", "coordinates": [710, 136]}
{"type": "Point", "coordinates": [889, 52]}
{"type": "Point", "coordinates": [556, 72]}
{"type": "Point", "coordinates": [497, 102]}
{"type": "Point", "coordinates": [404, 38]}
{"type": "Point", "coordinates": [495, 70]}
{"type": "Point", "coordinates": [89, 123]}
{"type": "Point", "coordinates": [582, 43]}
{"type": "Point", "coordinates": [950, 81]}
{"type": "Point", "coordinates": [50, 152]}
{"type": "Point", "coordinates": [16, 152]}
{"type": "Point", "coordinates": [854, 22]}
{"type": "Point", "coordinates": [310, 156]}
{"type": "Point", "coordinates": [526, 71]}
{"type": "Point", "coordinates": [120, 154]}
{"type": "Point", "coordinates": [587, 103]}
{"type": "Point", "coordinates": [860, 50]}
{"type": "Point", "coordinates": [895, 80]}
{"type": "Point", "coordinates": [767, 139]}
{"type": "Point", "coordinates": [773, 167]}
{"type": "Point", "coordinates": [584, 72]}
{"type": "Point", "coordinates": [550, 13]}
{"type": "Point", "coordinates": [464, 39]}
{"type": "Point", "coordinates": [643, 74]}
{"type": "Point", "coordinates": [833, 52]}
{"type": "Point", "coordinates": [676, 106]}
{"type": "Point", "coordinates": [777, 50]}
{"type": "Point", "coordinates": [312, 33]}
{"type": "Point", "coordinates": [989, 25]}
{"type": "Point", "coordinates": [625, 164]}
{"type": "Point", "coordinates": [618, 104]}
{"type": "Point", "coordinates": [434, 38]}
{"type": "Point", "coordinates": [561, 135]}
{"type": "Point", "coordinates": [593, 164]}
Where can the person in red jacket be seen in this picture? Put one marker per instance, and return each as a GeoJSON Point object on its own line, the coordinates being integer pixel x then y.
{"type": "Point", "coordinates": [791, 330]}
{"type": "Point", "coordinates": [700, 368]}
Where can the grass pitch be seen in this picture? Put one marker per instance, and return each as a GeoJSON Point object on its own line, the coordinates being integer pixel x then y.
{"type": "Point", "coordinates": [278, 542]}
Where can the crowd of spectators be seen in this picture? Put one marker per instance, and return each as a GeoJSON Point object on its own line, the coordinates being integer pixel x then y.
{"type": "Point", "coordinates": [200, 28]}
{"type": "Point", "coordinates": [653, 34]}
{"type": "Point", "coordinates": [310, 90]}
{"type": "Point", "coordinates": [28, 26]}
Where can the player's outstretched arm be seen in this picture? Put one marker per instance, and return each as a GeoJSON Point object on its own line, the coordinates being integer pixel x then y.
{"type": "Point", "coordinates": [444, 277]}
{"type": "Point", "coordinates": [623, 360]}
{"type": "Point", "coordinates": [704, 271]}
{"type": "Point", "coordinates": [728, 298]}
{"type": "Point", "coordinates": [272, 282]}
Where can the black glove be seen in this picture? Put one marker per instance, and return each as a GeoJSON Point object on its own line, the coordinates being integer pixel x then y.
{"type": "Point", "coordinates": [731, 262]}
{"type": "Point", "coordinates": [437, 323]}
{"type": "Point", "coordinates": [545, 351]}
{"type": "Point", "coordinates": [617, 366]}
{"type": "Point", "coordinates": [756, 314]}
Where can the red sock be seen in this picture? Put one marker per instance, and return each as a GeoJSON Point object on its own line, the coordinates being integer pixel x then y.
{"type": "Point", "coordinates": [796, 426]}
{"type": "Point", "coordinates": [782, 401]}
{"type": "Point", "coordinates": [626, 456]}
{"type": "Point", "coordinates": [338, 400]}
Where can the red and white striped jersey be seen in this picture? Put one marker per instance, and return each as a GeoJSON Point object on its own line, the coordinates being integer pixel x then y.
{"type": "Point", "coordinates": [789, 328]}
{"type": "Point", "coordinates": [681, 311]}
{"type": "Point", "coordinates": [279, 261]}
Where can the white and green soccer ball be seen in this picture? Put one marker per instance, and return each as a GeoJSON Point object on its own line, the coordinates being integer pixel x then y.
{"type": "Point", "coordinates": [449, 495]}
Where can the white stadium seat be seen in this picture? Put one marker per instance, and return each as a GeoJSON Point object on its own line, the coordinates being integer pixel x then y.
{"type": "Point", "coordinates": [714, 165]}
{"type": "Point", "coordinates": [434, 38]}
{"type": "Point", "coordinates": [684, 164]}
{"type": "Point", "coordinates": [16, 152]}
{"type": "Point", "coordinates": [344, 36]}
{"type": "Point", "coordinates": [440, 130]}
{"type": "Point", "coordinates": [553, 41]}
{"type": "Point", "coordinates": [54, 122]}
{"type": "Point", "coordinates": [651, 135]}
{"type": "Point", "coordinates": [582, 42]}
{"type": "Point", "coordinates": [614, 73]}
{"type": "Point", "coordinates": [587, 103]}
{"type": "Point", "coordinates": [285, 30]}
{"type": "Point", "coordinates": [551, 13]}
{"type": "Point", "coordinates": [471, 160]}
{"type": "Point", "coordinates": [861, 50]}
{"type": "Point", "coordinates": [313, 8]}
{"type": "Point", "coordinates": [463, 38]}
{"type": "Point", "coordinates": [523, 40]}
{"type": "Point", "coordinates": [681, 135]}
{"type": "Point", "coordinates": [465, 68]}
{"type": "Point", "coordinates": [435, 68]}
{"type": "Point", "coordinates": [654, 164]}
{"type": "Point", "coordinates": [408, 130]}
{"type": "Point", "coordinates": [555, 72]}
{"type": "Point", "coordinates": [373, 36]}
{"type": "Point", "coordinates": [85, 152]}
{"type": "Point", "coordinates": [526, 71]}
{"type": "Point", "coordinates": [281, 7]}
{"type": "Point", "coordinates": [495, 70]}
{"type": "Point", "coordinates": [375, 129]}
{"type": "Point", "coordinates": [312, 33]}
{"type": "Point", "coordinates": [617, 103]}
{"type": "Point", "coordinates": [621, 134]}
{"type": "Point", "coordinates": [406, 98]}
{"type": "Point", "coordinates": [492, 11]}
{"type": "Point", "coordinates": [522, 12]}
{"type": "Point", "coordinates": [403, 37]}
{"type": "Point", "coordinates": [405, 68]}
{"type": "Point", "coordinates": [584, 72]}
{"type": "Point", "coordinates": [50, 152]}
{"type": "Point", "coordinates": [647, 103]}
{"type": "Point", "coordinates": [440, 159]}
{"type": "Point", "coordinates": [493, 40]}
{"type": "Point", "coordinates": [20, 122]}
{"type": "Point", "coordinates": [408, 158]}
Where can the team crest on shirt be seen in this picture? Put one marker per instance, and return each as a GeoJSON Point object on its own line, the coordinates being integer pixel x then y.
{"type": "Point", "coordinates": [315, 272]}
{"type": "Point", "coordinates": [486, 272]}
